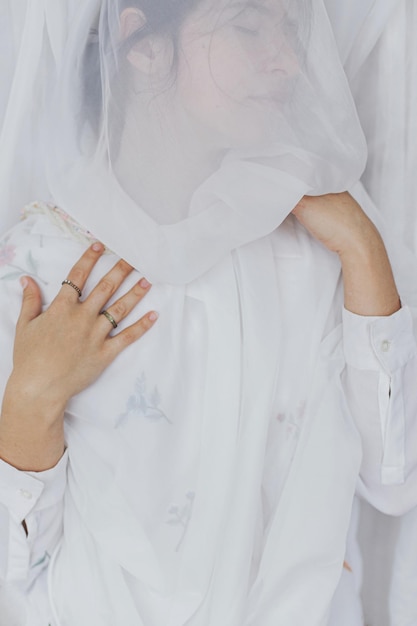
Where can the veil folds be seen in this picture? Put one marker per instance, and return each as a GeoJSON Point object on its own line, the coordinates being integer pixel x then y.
{"type": "Point", "coordinates": [131, 148]}
{"type": "Point", "coordinates": [357, 27]}
{"type": "Point", "coordinates": [385, 91]}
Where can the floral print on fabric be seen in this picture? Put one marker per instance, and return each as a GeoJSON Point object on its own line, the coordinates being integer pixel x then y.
{"type": "Point", "coordinates": [65, 222]}
{"type": "Point", "coordinates": [8, 253]}
{"type": "Point", "coordinates": [181, 516]}
{"type": "Point", "coordinates": [144, 403]}
{"type": "Point", "coordinates": [292, 422]}
{"type": "Point", "coordinates": [44, 560]}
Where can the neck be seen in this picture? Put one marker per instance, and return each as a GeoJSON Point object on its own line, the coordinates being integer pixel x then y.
{"type": "Point", "coordinates": [160, 165]}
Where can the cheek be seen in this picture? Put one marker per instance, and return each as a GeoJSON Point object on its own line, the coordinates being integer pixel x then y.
{"type": "Point", "coordinates": [215, 84]}
{"type": "Point", "coordinates": [212, 72]}
{"type": "Point", "coordinates": [231, 68]}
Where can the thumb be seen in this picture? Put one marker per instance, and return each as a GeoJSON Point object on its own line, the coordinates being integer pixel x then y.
{"type": "Point", "coordinates": [32, 300]}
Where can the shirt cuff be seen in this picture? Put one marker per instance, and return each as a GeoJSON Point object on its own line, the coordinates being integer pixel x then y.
{"type": "Point", "coordinates": [372, 343]}
{"type": "Point", "coordinates": [20, 492]}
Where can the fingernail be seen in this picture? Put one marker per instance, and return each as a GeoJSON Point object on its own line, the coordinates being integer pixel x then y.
{"type": "Point", "coordinates": [97, 247]}
{"type": "Point", "coordinates": [153, 316]}
{"type": "Point", "coordinates": [24, 282]}
{"type": "Point", "coordinates": [144, 283]}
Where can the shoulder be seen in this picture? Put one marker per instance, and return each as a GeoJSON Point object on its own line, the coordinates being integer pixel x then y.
{"type": "Point", "coordinates": [44, 245]}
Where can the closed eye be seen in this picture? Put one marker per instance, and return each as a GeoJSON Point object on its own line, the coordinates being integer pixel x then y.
{"type": "Point", "coordinates": [247, 31]}
{"type": "Point", "coordinates": [248, 21]}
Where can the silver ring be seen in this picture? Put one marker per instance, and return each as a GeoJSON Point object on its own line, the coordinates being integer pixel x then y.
{"type": "Point", "coordinates": [109, 317]}
{"type": "Point", "coordinates": [71, 284]}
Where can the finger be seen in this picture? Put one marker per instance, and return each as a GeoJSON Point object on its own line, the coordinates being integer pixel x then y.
{"type": "Point", "coordinates": [131, 334]}
{"type": "Point", "coordinates": [79, 273]}
{"type": "Point", "coordinates": [108, 285]}
{"type": "Point", "coordinates": [32, 300]}
{"type": "Point", "coordinates": [124, 305]}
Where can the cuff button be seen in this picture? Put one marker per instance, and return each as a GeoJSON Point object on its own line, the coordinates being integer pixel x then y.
{"type": "Point", "coordinates": [385, 346]}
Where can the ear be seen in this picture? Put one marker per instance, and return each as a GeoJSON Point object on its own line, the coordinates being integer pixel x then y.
{"type": "Point", "coordinates": [131, 20]}
{"type": "Point", "coordinates": [149, 54]}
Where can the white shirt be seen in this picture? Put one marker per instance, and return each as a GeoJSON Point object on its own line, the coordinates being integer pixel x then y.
{"type": "Point", "coordinates": [381, 367]}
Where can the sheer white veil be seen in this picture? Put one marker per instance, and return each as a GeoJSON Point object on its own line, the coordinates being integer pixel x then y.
{"type": "Point", "coordinates": [385, 90]}
{"type": "Point", "coordinates": [377, 43]}
{"type": "Point", "coordinates": [357, 26]}
{"type": "Point", "coordinates": [33, 34]}
{"type": "Point", "coordinates": [79, 126]}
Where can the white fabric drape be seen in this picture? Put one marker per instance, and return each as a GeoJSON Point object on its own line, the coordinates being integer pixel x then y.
{"type": "Point", "coordinates": [80, 183]}
{"type": "Point", "coordinates": [385, 89]}
{"type": "Point", "coordinates": [357, 26]}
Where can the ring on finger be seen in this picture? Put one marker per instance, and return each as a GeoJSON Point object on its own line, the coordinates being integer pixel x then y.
{"type": "Point", "coordinates": [109, 317]}
{"type": "Point", "coordinates": [71, 284]}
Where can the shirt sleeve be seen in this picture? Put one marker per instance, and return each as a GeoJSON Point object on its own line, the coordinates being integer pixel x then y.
{"type": "Point", "coordinates": [37, 499]}
{"type": "Point", "coordinates": [33, 497]}
{"type": "Point", "coordinates": [380, 384]}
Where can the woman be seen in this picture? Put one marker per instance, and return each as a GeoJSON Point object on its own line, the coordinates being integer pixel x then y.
{"type": "Point", "coordinates": [209, 469]}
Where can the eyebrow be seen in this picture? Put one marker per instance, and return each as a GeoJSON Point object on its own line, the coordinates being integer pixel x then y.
{"type": "Point", "coordinates": [251, 4]}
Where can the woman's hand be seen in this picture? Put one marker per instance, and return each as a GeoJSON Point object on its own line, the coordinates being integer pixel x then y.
{"type": "Point", "coordinates": [339, 223]}
{"type": "Point", "coordinates": [59, 353]}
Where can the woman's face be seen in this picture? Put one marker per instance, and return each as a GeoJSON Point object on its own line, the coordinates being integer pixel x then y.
{"type": "Point", "coordinates": [237, 64]}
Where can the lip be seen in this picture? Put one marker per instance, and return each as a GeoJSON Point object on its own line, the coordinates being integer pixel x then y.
{"type": "Point", "coordinates": [275, 98]}
{"type": "Point", "coordinates": [277, 94]}
{"type": "Point", "coordinates": [269, 99]}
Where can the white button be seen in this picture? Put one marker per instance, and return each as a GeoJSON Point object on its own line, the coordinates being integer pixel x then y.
{"type": "Point", "coordinates": [25, 494]}
{"type": "Point", "coordinates": [385, 346]}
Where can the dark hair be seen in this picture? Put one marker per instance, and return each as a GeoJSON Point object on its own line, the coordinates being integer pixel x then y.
{"type": "Point", "coordinates": [162, 17]}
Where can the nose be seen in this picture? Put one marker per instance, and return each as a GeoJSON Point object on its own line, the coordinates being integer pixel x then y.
{"type": "Point", "coordinates": [281, 56]}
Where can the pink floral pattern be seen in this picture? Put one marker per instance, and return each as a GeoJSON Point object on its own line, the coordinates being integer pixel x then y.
{"type": "Point", "coordinates": [7, 254]}
{"type": "Point", "coordinates": [64, 221]}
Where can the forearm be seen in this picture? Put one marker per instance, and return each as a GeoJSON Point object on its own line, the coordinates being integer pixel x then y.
{"type": "Point", "coordinates": [369, 286]}
{"type": "Point", "coordinates": [31, 428]}
{"type": "Point", "coordinates": [339, 223]}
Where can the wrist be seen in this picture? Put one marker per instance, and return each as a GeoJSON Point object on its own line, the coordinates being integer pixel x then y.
{"type": "Point", "coordinates": [26, 400]}
{"type": "Point", "coordinates": [31, 429]}
{"type": "Point", "coordinates": [369, 285]}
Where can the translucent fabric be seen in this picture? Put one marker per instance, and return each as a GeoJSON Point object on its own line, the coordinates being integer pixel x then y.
{"type": "Point", "coordinates": [278, 130]}
{"type": "Point", "coordinates": [377, 42]}
{"type": "Point", "coordinates": [357, 26]}
{"type": "Point", "coordinates": [385, 89]}
{"type": "Point", "coordinates": [31, 34]}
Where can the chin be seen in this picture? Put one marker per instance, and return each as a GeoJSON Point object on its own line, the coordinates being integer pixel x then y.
{"type": "Point", "coordinates": [254, 134]}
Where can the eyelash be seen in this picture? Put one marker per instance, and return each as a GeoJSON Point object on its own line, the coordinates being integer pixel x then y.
{"type": "Point", "coordinates": [247, 31]}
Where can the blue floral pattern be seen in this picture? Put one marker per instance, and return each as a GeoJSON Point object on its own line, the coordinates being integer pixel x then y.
{"type": "Point", "coordinates": [144, 403]}
{"type": "Point", "coordinates": [42, 561]}
{"type": "Point", "coordinates": [181, 516]}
